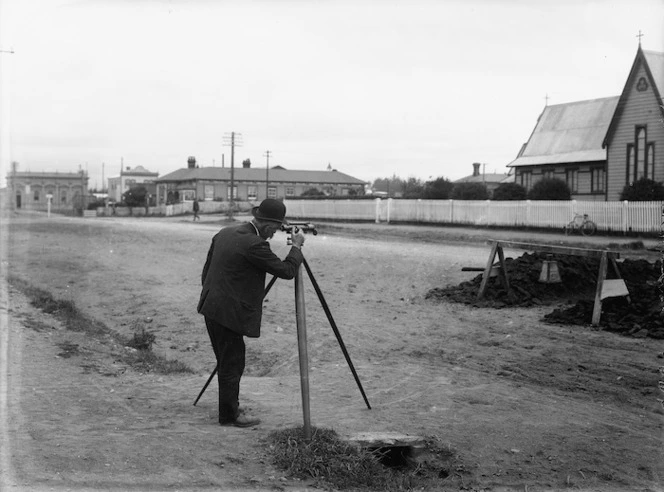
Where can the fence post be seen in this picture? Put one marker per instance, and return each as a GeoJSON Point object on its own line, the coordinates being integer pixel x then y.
{"type": "Point", "coordinates": [625, 216]}
{"type": "Point", "coordinates": [377, 201]}
{"type": "Point", "coordinates": [451, 211]}
{"type": "Point", "coordinates": [528, 205]}
{"type": "Point", "coordinates": [389, 206]}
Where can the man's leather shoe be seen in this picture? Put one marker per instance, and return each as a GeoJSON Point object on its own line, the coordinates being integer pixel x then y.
{"type": "Point", "coordinates": [242, 421]}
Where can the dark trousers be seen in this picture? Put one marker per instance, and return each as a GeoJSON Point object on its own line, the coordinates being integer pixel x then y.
{"type": "Point", "coordinates": [229, 350]}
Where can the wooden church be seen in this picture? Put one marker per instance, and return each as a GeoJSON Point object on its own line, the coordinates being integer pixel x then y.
{"type": "Point", "coordinates": [600, 145]}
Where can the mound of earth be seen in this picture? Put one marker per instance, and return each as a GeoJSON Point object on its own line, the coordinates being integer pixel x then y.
{"type": "Point", "coordinates": [639, 316]}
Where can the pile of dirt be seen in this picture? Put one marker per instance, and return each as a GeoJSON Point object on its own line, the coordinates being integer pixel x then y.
{"type": "Point", "coordinates": [640, 316]}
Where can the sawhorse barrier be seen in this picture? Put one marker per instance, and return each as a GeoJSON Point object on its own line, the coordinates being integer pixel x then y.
{"type": "Point", "coordinates": [605, 287]}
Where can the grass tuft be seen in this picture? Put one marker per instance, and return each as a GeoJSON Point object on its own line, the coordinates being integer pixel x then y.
{"type": "Point", "coordinates": [334, 463]}
{"type": "Point", "coordinates": [327, 460]}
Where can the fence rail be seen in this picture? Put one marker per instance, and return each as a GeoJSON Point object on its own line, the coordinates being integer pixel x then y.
{"type": "Point", "coordinates": [622, 217]}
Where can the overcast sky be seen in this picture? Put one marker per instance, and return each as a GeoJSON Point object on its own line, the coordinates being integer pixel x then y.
{"type": "Point", "coordinates": [416, 88]}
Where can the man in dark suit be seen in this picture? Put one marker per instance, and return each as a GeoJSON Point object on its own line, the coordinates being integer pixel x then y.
{"type": "Point", "coordinates": [232, 297]}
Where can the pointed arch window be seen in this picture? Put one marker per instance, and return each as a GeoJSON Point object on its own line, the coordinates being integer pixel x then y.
{"type": "Point", "coordinates": [640, 156]}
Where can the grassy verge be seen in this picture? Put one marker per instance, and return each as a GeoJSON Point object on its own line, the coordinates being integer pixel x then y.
{"type": "Point", "coordinates": [140, 357]}
{"type": "Point", "coordinates": [332, 462]}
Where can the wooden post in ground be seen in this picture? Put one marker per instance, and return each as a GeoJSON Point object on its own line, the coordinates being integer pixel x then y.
{"type": "Point", "coordinates": [300, 317]}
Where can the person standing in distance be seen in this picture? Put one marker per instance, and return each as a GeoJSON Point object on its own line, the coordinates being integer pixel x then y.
{"type": "Point", "coordinates": [231, 301]}
{"type": "Point", "coordinates": [196, 208]}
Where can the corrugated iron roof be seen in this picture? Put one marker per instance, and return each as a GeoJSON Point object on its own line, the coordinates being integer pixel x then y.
{"type": "Point", "coordinates": [483, 178]}
{"type": "Point", "coordinates": [258, 175]}
{"type": "Point", "coordinates": [655, 62]}
{"type": "Point", "coordinates": [571, 132]}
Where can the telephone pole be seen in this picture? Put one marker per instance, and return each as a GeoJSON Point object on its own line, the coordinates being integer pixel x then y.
{"type": "Point", "coordinates": [232, 139]}
{"type": "Point", "coordinates": [267, 171]}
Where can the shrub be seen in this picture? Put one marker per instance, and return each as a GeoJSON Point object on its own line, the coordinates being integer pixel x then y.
{"type": "Point", "coordinates": [510, 191]}
{"type": "Point", "coordinates": [550, 189]}
{"type": "Point", "coordinates": [438, 189]}
{"type": "Point", "coordinates": [643, 190]}
{"type": "Point", "coordinates": [470, 191]}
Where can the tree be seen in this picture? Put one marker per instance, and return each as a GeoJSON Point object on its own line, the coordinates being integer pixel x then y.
{"type": "Point", "coordinates": [135, 197]}
{"type": "Point", "coordinates": [389, 185]}
{"type": "Point", "coordinates": [510, 191]}
{"type": "Point", "coordinates": [438, 189]}
{"type": "Point", "coordinates": [550, 189]}
{"type": "Point", "coordinates": [413, 188]}
{"type": "Point", "coordinates": [643, 190]}
{"type": "Point", "coordinates": [470, 191]}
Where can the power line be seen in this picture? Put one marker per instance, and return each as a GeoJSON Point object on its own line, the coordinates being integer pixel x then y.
{"type": "Point", "coordinates": [267, 170]}
{"type": "Point", "coordinates": [233, 139]}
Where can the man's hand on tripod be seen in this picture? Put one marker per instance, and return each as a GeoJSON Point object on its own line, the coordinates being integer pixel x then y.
{"type": "Point", "coordinates": [297, 239]}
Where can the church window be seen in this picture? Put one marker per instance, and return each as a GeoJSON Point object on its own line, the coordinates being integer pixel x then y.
{"type": "Point", "coordinates": [526, 178]}
{"type": "Point", "coordinates": [63, 196]}
{"type": "Point", "coordinates": [572, 179]}
{"type": "Point", "coordinates": [640, 164]}
{"type": "Point", "coordinates": [640, 156]}
{"type": "Point", "coordinates": [36, 195]}
{"type": "Point", "coordinates": [597, 179]}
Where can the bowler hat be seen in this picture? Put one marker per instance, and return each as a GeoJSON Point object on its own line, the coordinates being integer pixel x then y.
{"type": "Point", "coordinates": [270, 209]}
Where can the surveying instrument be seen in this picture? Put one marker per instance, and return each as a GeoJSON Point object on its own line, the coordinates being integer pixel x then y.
{"type": "Point", "coordinates": [300, 317]}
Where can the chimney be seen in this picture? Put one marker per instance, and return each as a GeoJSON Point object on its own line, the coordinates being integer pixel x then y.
{"type": "Point", "coordinates": [246, 163]}
{"type": "Point", "coordinates": [191, 162]}
{"type": "Point", "coordinates": [476, 168]}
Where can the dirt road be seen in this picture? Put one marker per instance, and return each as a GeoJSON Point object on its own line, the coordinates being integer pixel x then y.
{"type": "Point", "coordinates": [523, 404]}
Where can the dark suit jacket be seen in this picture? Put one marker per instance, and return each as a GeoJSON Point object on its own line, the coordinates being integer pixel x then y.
{"type": "Point", "coordinates": [234, 278]}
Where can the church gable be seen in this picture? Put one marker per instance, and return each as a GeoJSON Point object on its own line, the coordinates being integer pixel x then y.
{"type": "Point", "coordinates": [635, 139]}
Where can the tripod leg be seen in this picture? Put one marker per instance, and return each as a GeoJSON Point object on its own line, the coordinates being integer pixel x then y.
{"type": "Point", "coordinates": [336, 331]}
{"type": "Point", "coordinates": [267, 289]}
{"type": "Point", "coordinates": [206, 385]}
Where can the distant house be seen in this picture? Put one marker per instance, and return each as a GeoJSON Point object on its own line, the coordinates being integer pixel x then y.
{"type": "Point", "coordinates": [600, 145]}
{"type": "Point", "coordinates": [128, 178]}
{"type": "Point", "coordinates": [491, 180]}
{"type": "Point", "coordinates": [33, 190]}
{"type": "Point", "coordinates": [251, 184]}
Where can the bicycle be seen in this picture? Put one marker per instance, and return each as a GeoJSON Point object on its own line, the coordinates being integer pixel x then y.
{"type": "Point", "coordinates": [581, 223]}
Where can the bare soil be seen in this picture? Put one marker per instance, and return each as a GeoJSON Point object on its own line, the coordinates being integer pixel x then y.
{"type": "Point", "coordinates": [521, 401]}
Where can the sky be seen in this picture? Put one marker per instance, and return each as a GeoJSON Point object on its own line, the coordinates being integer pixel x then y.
{"type": "Point", "coordinates": [417, 89]}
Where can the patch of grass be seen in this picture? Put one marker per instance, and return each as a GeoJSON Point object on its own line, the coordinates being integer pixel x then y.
{"type": "Point", "coordinates": [327, 460]}
{"type": "Point", "coordinates": [140, 357]}
{"type": "Point", "coordinates": [332, 462]}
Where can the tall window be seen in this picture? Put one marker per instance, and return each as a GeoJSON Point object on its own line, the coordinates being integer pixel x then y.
{"type": "Point", "coordinates": [548, 173]}
{"type": "Point", "coordinates": [640, 156]}
{"type": "Point", "coordinates": [526, 178]}
{"type": "Point", "coordinates": [572, 179]}
{"type": "Point", "coordinates": [228, 193]}
{"type": "Point", "coordinates": [63, 196]}
{"type": "Point", "coordinates": [597, 180]}
{"type": "Point", "coordinates": [36, 195]}
{"type": "Point", "coordinates": [290, 190]}
{"type": "Point", "coordinates": [272, 192]}
{"type": "Point", "coordinates": [252, 192]}
{"type": "Point", "coordinates": [640, 169]}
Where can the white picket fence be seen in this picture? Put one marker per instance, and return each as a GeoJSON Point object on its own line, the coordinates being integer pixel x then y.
{"type": "Point", "coordinates": [625, 217]}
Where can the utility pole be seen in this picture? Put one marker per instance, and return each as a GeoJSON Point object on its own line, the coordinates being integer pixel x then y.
{"type": "Point", "coordinates": [267, 171]}
{"type": "Point", "coordinates": [233, 139]}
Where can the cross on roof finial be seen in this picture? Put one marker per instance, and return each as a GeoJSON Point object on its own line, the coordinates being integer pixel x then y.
{"type": "Point", "coordinates": [639, 35]}
{"type": "Point", "coordinates": [546, 100]}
